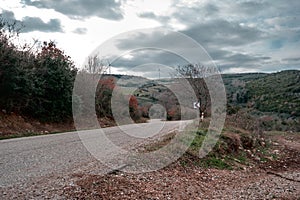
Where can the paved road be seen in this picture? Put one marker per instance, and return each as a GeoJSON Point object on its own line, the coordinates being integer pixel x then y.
{"type": "Point", "coordinates": [26, 158]}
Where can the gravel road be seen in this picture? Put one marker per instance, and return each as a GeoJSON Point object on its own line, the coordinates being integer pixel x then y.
{"type": "Point", "coordinates": [59, 167]}
{"type": "Point", "coordinates": [24, 159]}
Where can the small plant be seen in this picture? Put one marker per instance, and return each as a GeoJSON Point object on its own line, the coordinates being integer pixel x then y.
{"type": "Point", "coordinates": [242, 157]}
{"type": "Point", "coordinates": [215, 162]}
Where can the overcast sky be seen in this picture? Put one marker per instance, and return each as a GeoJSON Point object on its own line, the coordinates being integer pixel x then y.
{"type": "Point", "coordinates": [239, 35]}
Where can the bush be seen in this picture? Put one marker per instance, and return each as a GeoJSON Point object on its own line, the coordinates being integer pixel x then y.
{"type": "Point", "coordinates": [52, 79]}
{"type": "Point", "coordinates": [37, 84]}
{"type": "Point", "coordinates": [104, 91]}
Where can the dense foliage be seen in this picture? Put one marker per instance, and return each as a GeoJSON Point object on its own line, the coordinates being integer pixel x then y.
{"type": "Point", "coordinates": [279, 92]}
{"type": "Point", "coordinates": [272, 100]}
{"type": "Point", "coordinates": [276, 92]}
{"type": "Point", "coordinates": [35, 83]}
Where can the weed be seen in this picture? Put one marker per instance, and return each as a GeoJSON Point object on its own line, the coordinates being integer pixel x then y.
{"type": "Point", "coordinates": [215, 162]}
{"type": "Point", "coordinates": [242, 157]}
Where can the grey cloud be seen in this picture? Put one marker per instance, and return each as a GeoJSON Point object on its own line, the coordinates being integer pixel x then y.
{"type": "Point", "coordinates": [284, 23]}
{"type": "Point", "coordinates": [211, 9]}
{"type": "Point", "coordinates": [225, 59]}
{"type": "Point", "coordinates": [284, 8]}
{"type": "Point", "coordinates": [186, 15]}
{"type": "Point", "coordinates": [250, 8]}
{"type": "Point", "coordinates": [244, 58]}
{"type": "Point", "coordinates": [148, 62]}
{"type": "Point", "coordinates": [29, 24]}
{"type": "Point", "coordinates": [292, 62]}
{"type": "Point", "coordinates": [36, 24]}
{"type": "Point", "coordinates": [294, 59]}
{"type": "Point", "coordinates": [216, 32]}
{"type": "Point", "coordinates": [197, 8]}
{"type": "Point", "coordinates": [235, 60]}
{"type": "Point", "coordinates": [214, 36]}
{"type": "Point", "coordinates": [146, 56]}
{"type": "Point", "coordinates": [217, 54]}
{"type": "Point", "coordinates": [151, 15]}
{"type": "Point", "coordinates": [8, 15]}
{"type": "Point", "coordinates": [225, 27]}
{"type": "Point", "coordinates": [191, 15]}
{"type": "Point", "coordinates": [157, 38]}
{"type": "Point", "coordinates": [221, 32]}
{"type": "Point", "coordinates": [79, 9]}
{"type": "Point", "coordinates": [80, 31]}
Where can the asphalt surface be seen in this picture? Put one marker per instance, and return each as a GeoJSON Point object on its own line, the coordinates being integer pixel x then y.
{"type": "Point", "coordinates": [27, 158]}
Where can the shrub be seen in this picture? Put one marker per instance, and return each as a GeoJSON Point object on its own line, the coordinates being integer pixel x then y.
{"type": "Point", "coordinates": [38, 84]}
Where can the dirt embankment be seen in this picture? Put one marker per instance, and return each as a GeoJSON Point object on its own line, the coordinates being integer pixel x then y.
{"type": "Point", "coordinates": [276, 177]}
{"type": "Point", "coordinates": [14, 125]}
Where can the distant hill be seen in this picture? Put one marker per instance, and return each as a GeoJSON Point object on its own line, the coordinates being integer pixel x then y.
{"type": "Point", "coordinates": [277, 92]}
{"type": "Point", "coordinates": [129, 80]}
{"type": "Point", "coordinates": [235, 85]}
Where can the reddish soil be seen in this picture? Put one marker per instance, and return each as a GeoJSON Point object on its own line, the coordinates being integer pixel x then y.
{"type": "Point", "coordinates": [267, 179]}
{"type": "Point", "coordinates": [14, 125]}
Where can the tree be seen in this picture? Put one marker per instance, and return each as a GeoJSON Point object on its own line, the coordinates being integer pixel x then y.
{"type": "Point", "coordinates": [13, 78]}
{"type": "Point", "coordinates": [104, 91]}
{"type": "Point", "coordinates": [53, 76]}
{"type": "Point", "coordinates": [92, 90]}
{"type": "Point", "coordinates": [37, 83]}
{"type": "Point", "coordinates": [195, 74]}
{"type": "Point", "coordinates": [96, 65]}
{"type": "Point", "coordinates": [134, 108]}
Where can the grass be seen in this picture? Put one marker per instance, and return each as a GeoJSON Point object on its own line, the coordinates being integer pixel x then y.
{"type": "Point", "coordinates": [215, 162]}
{"type": "Point", "coordinates": [212, 160]}
{"type": "Point", "coordinates": [226, 154]}
{"type": "Point", "coordinates": [242, 157]}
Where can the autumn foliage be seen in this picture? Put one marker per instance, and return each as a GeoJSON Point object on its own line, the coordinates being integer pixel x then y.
{"type": "Point", "coordinates": [104, 91]}
{"type": "Point", "coordinates": [106, 87]}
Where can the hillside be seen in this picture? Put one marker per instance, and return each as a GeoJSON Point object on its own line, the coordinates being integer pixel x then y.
{"type": "Point", "coordinates": [270, 99]}
{"type": "Point", "coordinates": [278, 92]}
{"type": "Point", "coordinates": [235, 86]}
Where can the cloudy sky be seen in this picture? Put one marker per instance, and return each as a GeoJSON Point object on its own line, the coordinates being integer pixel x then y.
{"type": "Point", "coordinates": [238, 35]}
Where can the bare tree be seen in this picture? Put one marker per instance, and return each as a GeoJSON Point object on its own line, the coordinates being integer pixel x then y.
{"type": "Point", "coordinates": [195, 74]}
{"type": "Point", "coordinates": [86, 85]}
{"type": "Point", "coordinates": [96, 65]}
{"type": "Point", "coordinates": [11, 27]}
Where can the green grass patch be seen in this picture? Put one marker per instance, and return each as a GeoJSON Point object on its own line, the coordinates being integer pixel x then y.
{"type": "Point", "coordinates": [215, 162]}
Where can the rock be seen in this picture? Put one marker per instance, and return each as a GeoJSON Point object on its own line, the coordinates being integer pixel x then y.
{"type": "Point", "coordinates": [257, 158]}
{"type": "Point", "coordinates": [276, 151]}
